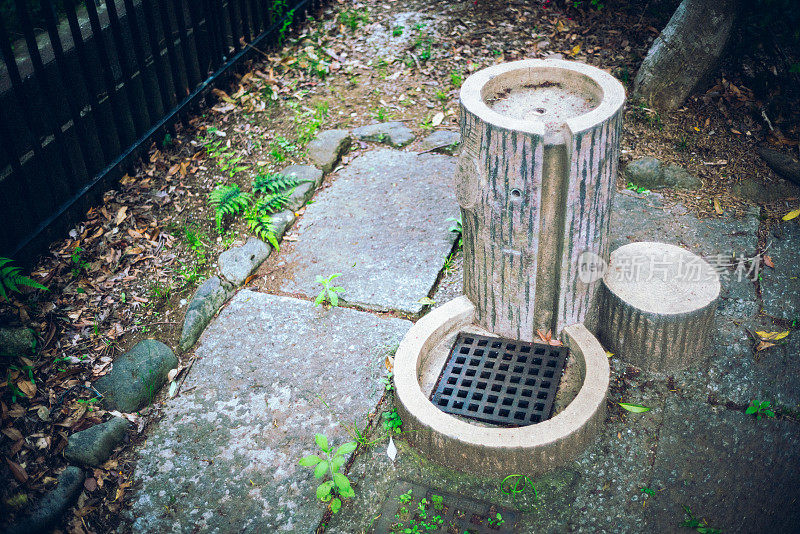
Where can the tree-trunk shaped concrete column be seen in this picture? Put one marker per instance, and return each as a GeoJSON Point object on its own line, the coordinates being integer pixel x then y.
{"type": "Point", "coordinates": [535, 183]}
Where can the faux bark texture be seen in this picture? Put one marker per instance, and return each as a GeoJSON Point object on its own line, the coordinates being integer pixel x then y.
{"type": "Point", "coordinates": [652, 341]}
{"type": "Point", "coordinates": [498, 188]}
{"type": "Point", "coordinates": [530, 209]}
{"type": "Point", "coordinates": [685, 53]}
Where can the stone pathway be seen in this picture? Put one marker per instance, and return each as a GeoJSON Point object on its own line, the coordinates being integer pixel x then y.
{"type": "Point", "coordinates": [224, 457]}
{"type": "Point", "coordinates": [383, 225]}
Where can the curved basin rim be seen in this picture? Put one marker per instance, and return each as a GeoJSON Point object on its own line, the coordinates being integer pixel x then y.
{"type": "Point", "coordinates": [458, 313]}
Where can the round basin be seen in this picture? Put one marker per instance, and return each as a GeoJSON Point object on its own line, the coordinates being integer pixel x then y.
{"type": "Point", "coordinates": [490, 450]}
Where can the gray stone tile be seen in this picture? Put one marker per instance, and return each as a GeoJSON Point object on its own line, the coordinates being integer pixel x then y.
{"type": "Point", "coordinates": [382, 224]}
{"type": "Point", "coordinates": [737, 473]}
{"type": "Point", "coordinates": [780, 287]}
{"type": "Point", "coordinates": [224, 456]}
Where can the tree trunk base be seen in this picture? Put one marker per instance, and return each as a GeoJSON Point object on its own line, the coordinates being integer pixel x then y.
{"type": "Point", "coordinates": [658, 306]}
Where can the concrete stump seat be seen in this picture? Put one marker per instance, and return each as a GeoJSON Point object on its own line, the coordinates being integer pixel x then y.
{"type": "Point", "coordinates": [659, 302]}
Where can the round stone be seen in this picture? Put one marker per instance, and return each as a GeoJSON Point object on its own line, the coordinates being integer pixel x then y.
{"type": "Point", "coordinates": [661, 278]}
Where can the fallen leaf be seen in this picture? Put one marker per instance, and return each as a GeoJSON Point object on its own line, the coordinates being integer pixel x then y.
{"type": "Point", "coordinates": [437, 119]}
{"type": "Point", "coordinates": [90, 484]}
{"type": "Point", "coordinates": [768, 261]}
{"type": "Point", "coordinates": [427, 301]}
{"type": "Point", "coordinates": [12, 433]}
{"type": "Point", "coordinates": [772, 336]}
{"type": "Point", "coordinates": [18, 471]}
{"type": "Point", "coordinates": [635, 408]}
{"type": "Point", "coordinates": [121, 214]}
{"type": "Point", "coordinates": [717, 206]}
{"type": "Point", "coordinates": [609, 354]}
{"type": "Point", "coordinates": [391, 450]}
{"type": "Point", "coordinates": [764, 345]}
{"type": "Point", "coordinates": [791, 215]}
{"type": "Point", "coordinates": [172, 374]}
{"type": "Point", "coordinates": [27, 387]}
{"type": "Point", "coordinates": [575, 50]}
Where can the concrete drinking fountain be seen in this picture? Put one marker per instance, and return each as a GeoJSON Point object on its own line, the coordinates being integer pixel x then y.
{"type": "Point", "coordinates": [534, 181]}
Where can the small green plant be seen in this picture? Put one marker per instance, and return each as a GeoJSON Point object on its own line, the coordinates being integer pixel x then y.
{"type": "Point", "coordinates": [14, 390]}
{"type": "Point", "coordinates": [329, 291]}
{"type": "Point", "coordinates": [387, 382]}
{"type": "Point", "coordinates": [260, 223]}
{"type": "Point", "coordinates": [91, 404]}
{"type": "Point", "coordinates": [167, 141]}
{"type": "Point", "coordinates": [353, 18]}
{"type": "Point", "coordinates": [381, 115]}
{"type": "Point", "coordinates": [438, 502]}
{"type": "Point", "coordinates": [228, 200]}
{"type": "Point", "coordinates": [159, 292]}
{"type": "Point", "coordinates": [406, 497]}
{"type": "Point", "coordinates": [79, 264]}
{"type": "Point", "coordinates": [700, 526]}
{"type": "Point", "coordinates": [285, 25]}
{"type": "Point", "coordinates": [11, 280]}
{"type": "Point", "coordinates": [456, 79]}
{"type": "Point", "coordinates": [645, 114]}
{"type": "Point", "coordinates": [497, 520]}
{"type": "Point", "coordinates": [648, 491]}
{"type": "Point", "coordinates": [337, 486]}
{"type": "Point", "coordinates": [422, 508]}
{"type": "Point", "coordinates": [457, 226]}
{"type": "Point", "coordinates": [392, 421]}
{"type": "Point", "coordinates": [309, 121]}
{"type": "Point", "coordinates": [442, 96]}
{"type": "Point", "coordinates": [397, 31]}
{"type": "Point", "coordinates": [760, 409]}
{"type": "Point", "coordinates": [635, 188]}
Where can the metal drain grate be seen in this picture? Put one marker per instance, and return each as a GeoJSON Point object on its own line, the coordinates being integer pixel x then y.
{"type": "Point", "coordinates": [500, 381]}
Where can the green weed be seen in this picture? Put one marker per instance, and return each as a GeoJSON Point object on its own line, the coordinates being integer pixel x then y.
{"type": "Point", "coordinates": [228, 200]}
{"type": "Point", "coordinates": [392, 422]}
{"type": "Point", "coordinates": [760, 409]}
{"type": "Point", "coordinates": [79, 265]}
{"type": "Point", "coordinates": [700, 526]}
{"type": "Point", "coordinates": [353, 18]}
{"type": "Point", "coordinates": [337, 486]}
{"type": "Point", "coordinates": [329, 292]}
{"type": "Point", "coordinates": [456, 79]}
{"type": "Point", "coordinates": [635, 188]}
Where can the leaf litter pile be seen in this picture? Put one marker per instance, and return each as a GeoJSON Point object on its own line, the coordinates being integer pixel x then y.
{"type": "Point", "coordinates": [127, 271]}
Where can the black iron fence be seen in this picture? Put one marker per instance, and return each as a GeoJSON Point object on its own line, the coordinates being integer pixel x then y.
{"type": "Point", "coordinates": [85, 86]}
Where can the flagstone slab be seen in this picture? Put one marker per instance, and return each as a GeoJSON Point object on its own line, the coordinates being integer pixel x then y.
{"type": "Point", "coordinates": [383, 225]}
{"type": "Point", "coordinates": [737, 473]}
{"type": "Point", "coordinates": [780, 285]}
{"type": "Point", "coordinates": [224, 456]}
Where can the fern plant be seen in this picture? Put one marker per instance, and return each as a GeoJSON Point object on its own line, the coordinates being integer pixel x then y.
{"type": "Point", "coordinates": [11, 280]}
{"type": "Point", "coordinates": [260, 223]}
{"type": "Point", "coordinates": [273, 203]}
{"type": "Point", "coordinates": [274, 183]}
{"type": "Point", "coordinates": [228, 200]}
